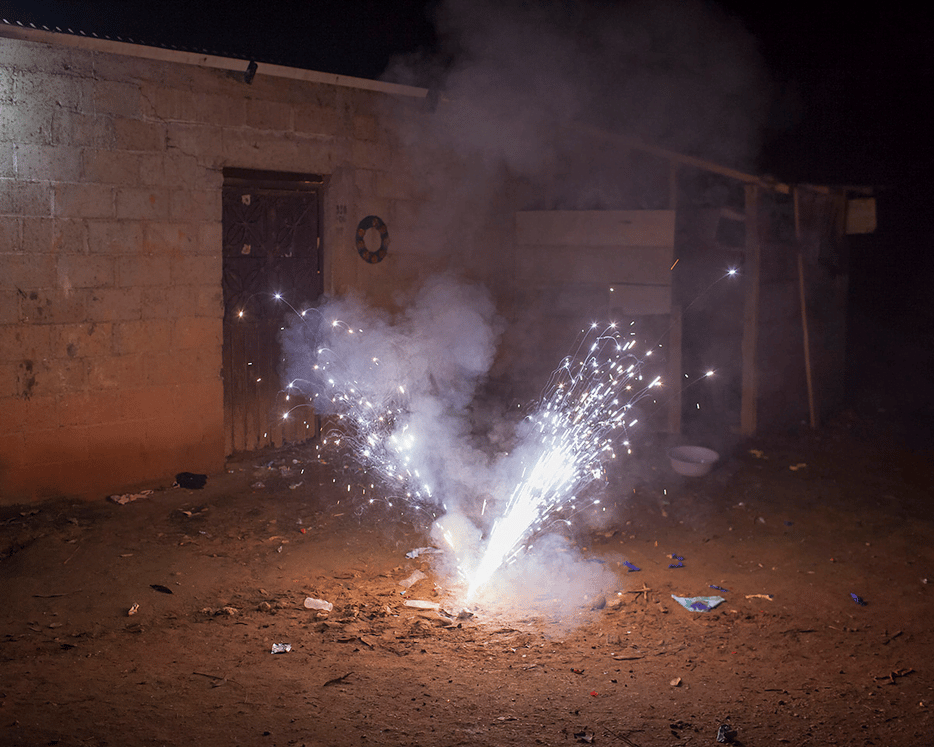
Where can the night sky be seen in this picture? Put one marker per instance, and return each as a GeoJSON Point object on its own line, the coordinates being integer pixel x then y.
{"type": "Point", "coordinates": [851, 88]}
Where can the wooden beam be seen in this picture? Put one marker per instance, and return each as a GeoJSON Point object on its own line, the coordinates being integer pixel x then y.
{"type": "Point", "coordinates": [750, 394]}
{"type": "Point", "coordinates": [804, 313]}
{"type": "Point", "coordinates": [634, 143]}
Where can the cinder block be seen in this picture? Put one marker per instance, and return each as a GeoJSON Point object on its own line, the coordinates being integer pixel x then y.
{"type": "Point", "coordinates": [137, 135]}
{"type": "Point", "coordinates": [7, 162]}
{"type": "Point", "coordinates": [36, 235]}
{"type": "Point", "coordinates": [197, 332]}
{"type": "Point", "coordinates": [57, 163]}
{"type": "Point", "coordinates": [206, 398]}
{"type": "Point", "coordinates": [46, 58]}
{"type": "Point", "coordinates": [152, 169]}
{"type": "Point", "coordinates": [164, 369]}
{"type": "Point", "coordinates": [174, 239]}
{"type": "Point", "coordinates": [83, 340]}
{"type": "Point", "coordinates": [53, 306]}
{"type": "Point", "coordinates": [27, 122]}
{"type": "Point", "coordinates": [13, 410]}
{"type": "Point", "coordinates": [147, 402]}
{"type": "Point", "coordinates": [268, 115]}
{"type": "Point", "coordinates": [255, 149]}
{"type": "Point", "coordinates": [110, 167]}
{"type": "Point", "coordinates": [6, 84]}
{"type": "Point", "coordinates": [116, 440]}
{"type": "Point", "coordinates": [114, 304]}
{"type": "Point", "coordinates": [169, 302]}
{"type": "Point", "coordinates": [78, 476]}
{"type": "Point", "coordinates": [11, 234]}
{"type": "Point", "coordinates": [175, 169]}
{"type": "Point", "coordinates": [85, 271]}
{"type": "Point", "coordinates": [115, 98]}
{"type": "Point", "coordinates": [316, 120]}
{"type": "Point", "coordinates": [44, 235]}
{"type": "Point", "coordinates": [142, 204]}
{"type": "Point", "coordinates": [211, 237]}
{"type": "Point", "coordinates": [365, 182]}
{"type": "Point", "coordinates": [78, 409]}
{"type": "Point", "coordinates": [83, 200]}
{"type": "Point", "coordinates": [168, 104]}
{"type": "Point", "coordinates": [210, 108]}
{"type": "Point", "coordinates": [59, 91]}
{"type": "Point", "coordinates": [54, 446]}
{"type": "Point", "coordinates": [195, 207]}
{"type": "Point", "coordinates": [12, 454]}
{"type": "Point", "coordinates": [83, 130]}
{"type": "Point", "coordinates": [36, 413]}
{"type": "Point", "coordinates": [64, 376]}
{"type": "Point", "coordinates": [370, 155]}
{"type": "Point", "coordinates": [25, 198]}
{"type": "Point", "coordinates": [9, 306]}
{"type": "Point", "coordinates": [114, 237]}
{"type": "Point", "coordinates": [31, 379]}
{"type": "Point", "coordinates": [197, 269]}
{"type": "Point", "coordinates": [148, 336]}
{"type": "Point", "coordinates": [125, 69]}
{"type": "Point", "coordinates": [209, 301]}
{"type": "Point", "coordinates": [195, 140]}
{"type": "Point", "coordinates": [68, 236]}
{"type": "Point", "coordinates": [143, 270]}
{"type": "Point", "coordinates": [172, 429]}
{"type": "Point", "coordinates": [9, 384]}
{"type": "Point", "coordinates": [365, 127]}
{"type": "Point", "coordinates": [22, 271]}
{"type": "Point", "coordinates": [25, 341]}
{"type": "Point", "coordinates": [182, 367]}
{"type": "Point", "coordinates": [116, 372]}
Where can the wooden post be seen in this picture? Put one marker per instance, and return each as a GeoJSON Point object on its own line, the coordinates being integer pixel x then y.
{"type": "Point", "coordinates": [674, 332]}
{"type": "Point", "coordinates": [749, 406]}
{"type": "Point", "coordinates": [674, 370]}
{"type": "Point", "coordinates": [804, 313]}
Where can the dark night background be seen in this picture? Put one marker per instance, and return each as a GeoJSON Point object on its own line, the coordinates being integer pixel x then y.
{"type": "Point", "coordinates": [850, 104]}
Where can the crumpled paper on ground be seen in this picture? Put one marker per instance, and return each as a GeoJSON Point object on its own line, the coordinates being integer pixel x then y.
{"type": "Point", "coordinates": [698, 604]}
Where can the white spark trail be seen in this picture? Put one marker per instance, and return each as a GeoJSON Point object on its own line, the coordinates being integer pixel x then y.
{"type": "Point", "coordinates": [576, 424]}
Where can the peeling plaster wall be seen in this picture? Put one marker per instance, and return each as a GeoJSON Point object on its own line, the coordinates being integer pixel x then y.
{"type": "Point", "coordinates": [110, 249]}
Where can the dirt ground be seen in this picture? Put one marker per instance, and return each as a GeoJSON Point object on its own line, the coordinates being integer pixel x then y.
{"type": "Point", "coordinates": [789, 658]}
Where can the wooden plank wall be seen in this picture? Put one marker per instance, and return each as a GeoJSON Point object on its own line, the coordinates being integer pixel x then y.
{"type": "Point", "coordinates": [575, 267]}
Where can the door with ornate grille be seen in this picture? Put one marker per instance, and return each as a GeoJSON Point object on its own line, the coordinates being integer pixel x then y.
{"type": "Point", "coordinates": [271, 271]}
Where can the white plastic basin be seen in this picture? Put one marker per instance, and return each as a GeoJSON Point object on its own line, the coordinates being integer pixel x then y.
{"type": "Point", "coordinates": [692, 461]}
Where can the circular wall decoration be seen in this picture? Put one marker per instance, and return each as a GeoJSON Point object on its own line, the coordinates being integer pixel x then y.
{"type": "Point", "coordinates": [372, 221]}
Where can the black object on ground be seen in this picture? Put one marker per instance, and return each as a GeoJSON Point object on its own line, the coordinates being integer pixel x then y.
{"type": "Point", "coordinates": [191, 480]}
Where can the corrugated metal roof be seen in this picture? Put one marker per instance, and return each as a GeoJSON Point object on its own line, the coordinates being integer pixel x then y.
{"type": "Point", "coordinates": [146, 43]}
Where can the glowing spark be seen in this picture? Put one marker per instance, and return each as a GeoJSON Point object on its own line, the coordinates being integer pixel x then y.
{"type": "Point", "coordinates": [576, 422]}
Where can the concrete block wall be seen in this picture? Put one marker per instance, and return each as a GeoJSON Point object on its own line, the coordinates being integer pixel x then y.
{"type": "Point", "coordinates": [110, 250]}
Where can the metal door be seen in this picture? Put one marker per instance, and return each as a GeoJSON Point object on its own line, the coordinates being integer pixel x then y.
{"type": "Point", "coordinates": [271, 271]}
